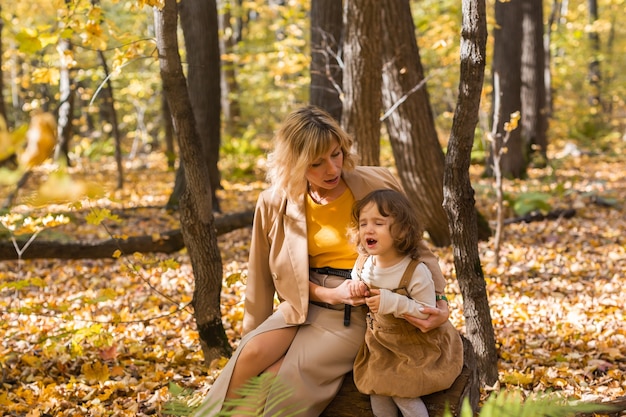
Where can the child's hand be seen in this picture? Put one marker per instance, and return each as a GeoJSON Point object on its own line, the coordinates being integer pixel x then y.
{"type": "Point", "coordinates": [357, 288]}
{"type": "Point", "coordinates": [350, 292]}
{"type": "Point", "coordinates": [373, 300]}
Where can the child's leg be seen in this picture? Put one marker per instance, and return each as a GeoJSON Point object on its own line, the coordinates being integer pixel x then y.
{"type": "Point", "coordinates": [411, 407]}
{"type": "Point", "coordinates": [383, 406]}
{"type": "Point", "coordinates": [259, 354]}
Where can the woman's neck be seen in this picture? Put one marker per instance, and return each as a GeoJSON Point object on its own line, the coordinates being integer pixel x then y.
{"type": "Point", "coordinates": [324, 196]}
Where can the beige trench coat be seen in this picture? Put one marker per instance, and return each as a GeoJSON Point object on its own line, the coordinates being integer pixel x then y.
{"type": "Point", "coordinates": [323, 350]}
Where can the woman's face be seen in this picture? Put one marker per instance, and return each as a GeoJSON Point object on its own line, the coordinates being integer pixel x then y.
{"type": "Point", "coordinates": [325, 172]}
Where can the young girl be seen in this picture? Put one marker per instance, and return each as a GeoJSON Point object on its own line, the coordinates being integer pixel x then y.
{"type": "Point", "coordinates": [397, 364]}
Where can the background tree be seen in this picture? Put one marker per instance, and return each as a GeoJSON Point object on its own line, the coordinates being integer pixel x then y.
{"type": "Point", "coordinates": [595, 74]}
{"type": "Point", "coordinates": [362, 77]}
{"type": "Point", "coordinates": [109, 105]}
{"type": "Point", "coordinates": [506, 78]}
{"type": "Point", "coordinates": [3, 111]}
{"type": "Point", "coordinates": [231, 110]}
{"type": "Point", "coordinates": [200, 29]}
{"type": "Point", "coordinates": [66, 99]}
{"type": "Point", "coordinates": [196, 214]}
{"type": "Point", "coordinates": [534, 121]}
{"type": "Point", "coordinates": [459, 193]}
{"type": "Point", "coordinates": [326, 51]}
{"type": "Point", "coordinates": [409, 120]}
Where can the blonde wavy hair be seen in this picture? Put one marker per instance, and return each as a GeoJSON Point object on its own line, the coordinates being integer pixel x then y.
{"type": "Point", "coordinates": [305, 135]}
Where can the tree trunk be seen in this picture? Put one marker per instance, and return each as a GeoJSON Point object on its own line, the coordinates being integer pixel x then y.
{"type": "Point", "coordinates": [66, 104]}
{"type": "Point", "coordinates": [507, 88]}
{"type": "Point", "coordinates": [170, 151]}
{"type": "Point", "coordinates": [198, 19]}
{"type": "Point", "coordinates": [196, 214]}
{"type": "Point", "coordinates": [3, 111]}
{"type": "Point", "coordinates": [459, 194]}
{"type": "Point", "coordinates": [228, 76]}
{"type": "Point", "coordinates": [362, 77]}
{"type": "Point", "coordinates": [168, 242]}
{"type": "Point", "coordinates": [534, 121]}
{"type": "Point", "coordinates": [117, 136]}
{"type": "Point", "coordinates": [410, 122]}
{"type": "Point", "coordinates": [595, 76]}
{"type": "Point", "coordinates": [553, 19]}
{"type": "Point", "coordinates": [326, 72]}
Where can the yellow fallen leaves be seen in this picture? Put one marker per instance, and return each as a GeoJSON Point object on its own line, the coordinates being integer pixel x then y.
{"type": "Point", "coordinates": [95, 372]}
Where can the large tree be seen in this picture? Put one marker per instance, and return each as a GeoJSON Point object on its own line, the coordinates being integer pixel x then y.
{"type": "Point", "coordinates": [534, 121]}
{"type": "Point", "coordinates": [326, 46]}
{"type": "Point", "coordinates": [362, 77]}
{"type": "Point", "coordinates": [231, 108]}
{"type": "Point", "coordinates": [198, 19]}
{"type": "Point", "coordinates": [196, 214]}
{"type": "Point", "coordinates": [459, 194]}
{"type": "Point", "coordinates": [507, 89]}
{"type": "Point", "coordinates": [410, 122]}
{"type": "Point", "coordinates": [66, 100]}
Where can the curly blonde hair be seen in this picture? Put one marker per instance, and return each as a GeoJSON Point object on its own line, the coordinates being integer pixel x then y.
{"type": "Point", "coordinates": [305, 135]}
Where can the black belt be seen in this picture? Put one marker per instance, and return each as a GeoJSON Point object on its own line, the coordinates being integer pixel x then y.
{"type": "Point", "coordinates": [343, 273]}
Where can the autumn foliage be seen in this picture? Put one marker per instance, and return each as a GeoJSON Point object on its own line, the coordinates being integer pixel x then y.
{"type": "Point", "coordinates": [116, 336]}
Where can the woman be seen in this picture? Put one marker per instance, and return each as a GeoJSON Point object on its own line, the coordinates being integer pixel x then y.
{"type": "Point", "coordinates": [300, 251]}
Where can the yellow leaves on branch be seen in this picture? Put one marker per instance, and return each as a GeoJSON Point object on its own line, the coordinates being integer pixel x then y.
{"type": "Point", "coordinates": [513, 122]}
{"type": "Point", "coordinates": [18, 224]}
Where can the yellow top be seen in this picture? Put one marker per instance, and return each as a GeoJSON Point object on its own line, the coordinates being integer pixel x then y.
{"type": "Point", "coordinates": [327, 227]}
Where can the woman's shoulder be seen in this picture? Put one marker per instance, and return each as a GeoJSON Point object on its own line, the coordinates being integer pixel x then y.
{"type": "Point", "coordinates": [371, 170]}
{"type": "Point", "coordinates": [363, 179]}
{"type": "Point", "coordinates": [271, 199]}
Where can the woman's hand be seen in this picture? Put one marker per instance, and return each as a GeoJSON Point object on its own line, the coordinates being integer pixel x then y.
{"type": "Point", "coordinates": [351, 292]}
{"type": "Point", "coordinates": [436, 317]}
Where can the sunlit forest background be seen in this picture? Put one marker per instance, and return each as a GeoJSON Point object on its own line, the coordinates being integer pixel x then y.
{"type": "Point", "coordinates": [116, 336]}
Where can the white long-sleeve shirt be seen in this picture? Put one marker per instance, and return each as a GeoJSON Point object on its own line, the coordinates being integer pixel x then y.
{"type": "Point", "coordinates": [421, 287]}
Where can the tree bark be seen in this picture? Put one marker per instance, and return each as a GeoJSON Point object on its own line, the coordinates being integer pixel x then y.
{"type": "Point", "coordinates": [459, 195]}
{"type": "Point", "coordinates": [410, 122]}
{"type": "Point", "coordinates": [507, 88]}
{"type": "Point", "coordinates": [231, 109]}
{"type": "Point", "coordinates": [109, 103]}
{"type": "Point", "coordinates": [168, 242]}
{"type": "Point", "coordinates": [3, 111]}
{"type": "Point", "coordinates": [534, 121]}
{"type": "Point", "coordinates": [196, 214]}
{"type": "Point", "coordinates": [326, 72]}
{"type": "Point", "coordinates": [595, 75]}
{"type": "Point", "coordinates": [362, 77]}
{"type": "Point", "coordinates": [198, 20]}
{"type": "Point", "coordinates": [66, 104]}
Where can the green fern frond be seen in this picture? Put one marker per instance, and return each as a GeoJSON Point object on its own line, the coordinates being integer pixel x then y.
{"type": "Point", "coordinates": [252, 402]}
{"type": "Point", "coordinates": [513, 404]}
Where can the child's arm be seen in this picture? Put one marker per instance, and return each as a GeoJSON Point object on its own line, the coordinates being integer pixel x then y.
{"type": "Point", "coordinates": [422, 292]}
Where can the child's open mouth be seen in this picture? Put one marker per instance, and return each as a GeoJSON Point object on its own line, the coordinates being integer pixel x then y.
{"type": "Point", "coordinates": [370, 242]}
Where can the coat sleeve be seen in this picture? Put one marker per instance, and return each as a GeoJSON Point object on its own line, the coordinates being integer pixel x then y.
{"type": "Point", "coordinates": [422, 291]}
{"type": "Point", "coordinates": [432, 263]}
{"type": "Point", "coordinates": [259, 294]}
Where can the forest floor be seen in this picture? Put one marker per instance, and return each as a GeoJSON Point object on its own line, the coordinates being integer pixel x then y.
{"type": "Point", "coordinates": [116, 337]}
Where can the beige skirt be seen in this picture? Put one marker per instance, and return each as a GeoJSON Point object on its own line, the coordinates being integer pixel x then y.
{"type": "Point", "coordinates": [321, 353]}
